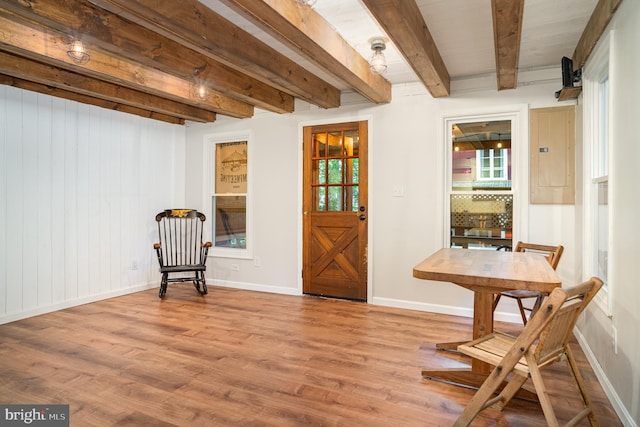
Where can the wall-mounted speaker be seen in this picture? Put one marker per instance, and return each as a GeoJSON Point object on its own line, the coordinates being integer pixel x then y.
{"type": "Point", "coordinates": [567, 72]}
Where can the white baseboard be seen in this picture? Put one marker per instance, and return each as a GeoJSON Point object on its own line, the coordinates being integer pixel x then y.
{"type": "Point", "coordinates": [387, 302]}
{"type": "Point", "coordinates": [254, 287]}
{"type": "Point", "coordinates": [442, 309]}
{"type": "Point", "coordinates": [12, 317]}
{"type": "Point", "coordinates": [420, 306]}
{"type": "Point", "coordinates": [618, 406]}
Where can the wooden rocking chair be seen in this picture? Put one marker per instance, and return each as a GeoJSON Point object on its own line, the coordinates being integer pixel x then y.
{"type": "Point", "coordinates": [543, 341]}
{"type": "Point", "coordinates": [180, 248]}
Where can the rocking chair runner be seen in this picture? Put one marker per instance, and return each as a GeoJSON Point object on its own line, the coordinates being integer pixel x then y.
{"type": "Point", "coordinates": [180, 248]}
{"type": "Point", "coordinates": [544, 341]}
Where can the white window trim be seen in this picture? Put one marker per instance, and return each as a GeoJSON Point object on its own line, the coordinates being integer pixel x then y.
{"type": "Point", "coordinates": [519, 116]}
{"type": "Point", "coordinates": [598, 65]}
{"type": "Point", "coordinates": [209, 166]}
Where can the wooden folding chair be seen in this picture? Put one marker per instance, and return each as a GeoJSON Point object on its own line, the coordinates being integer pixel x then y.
{"type": "Point", "coordinates": [543, 341]}
{"type": "Point", "coordinates": [553, 254]}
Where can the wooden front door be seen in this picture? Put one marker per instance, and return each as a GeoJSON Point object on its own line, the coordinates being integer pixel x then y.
{"type": "Point", "coordinates": [335, 210]}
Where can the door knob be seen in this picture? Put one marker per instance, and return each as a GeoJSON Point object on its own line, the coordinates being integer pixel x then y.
{"type": "Point", "coordinates": [363, 217]}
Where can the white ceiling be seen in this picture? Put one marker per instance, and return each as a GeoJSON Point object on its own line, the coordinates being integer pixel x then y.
{"type": "Point", "coordinates": [462, 30]}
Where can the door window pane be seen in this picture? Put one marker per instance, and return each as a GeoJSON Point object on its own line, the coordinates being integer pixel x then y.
{"type": "Point", "coordinates": [335, 171]}
{"type": "Point", "coordinates": [351, 143]}
{"type": "Point", "coordinates": [319, 171]}
{"type": "Point", "coordinates": [353, 171]}
{"type": "Point", "coordinates": [355, 199]}
{"type": "Point", "coordinates": [335, 144]}
{"type": "Point", "coordinates": [320, 146]}
{"type": "Point", "coordinates": [320, 198]}
{"type": "Point", "coordinates": [335, 198]}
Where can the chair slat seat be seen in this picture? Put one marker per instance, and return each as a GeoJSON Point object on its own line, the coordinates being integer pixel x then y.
{"type": "Point", "coordinates": [492, 349]}
{"type": "Point", "coordinates": [520, 293]}
{"type": "Point", "coordinates": [182, 268]}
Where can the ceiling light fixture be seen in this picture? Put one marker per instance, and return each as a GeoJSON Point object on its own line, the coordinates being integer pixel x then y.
{"type": "Point", "coordinates": [309, 3]}
{"type": "Point", "coordinates": [201, 92]}
{"type": "Point", "coordinates": [78, 52]}
{"type": "Point", "coordinates": [378, 62]}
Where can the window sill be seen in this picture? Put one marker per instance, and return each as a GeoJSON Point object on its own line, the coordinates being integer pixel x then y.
{"type": "Point", "coordinates": [230, 253]}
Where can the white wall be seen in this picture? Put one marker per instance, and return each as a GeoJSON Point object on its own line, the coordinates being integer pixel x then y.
{"type": "Point", "coordinates": [406, 148]}
{"type": "Point", "coordinates": [79, 190]}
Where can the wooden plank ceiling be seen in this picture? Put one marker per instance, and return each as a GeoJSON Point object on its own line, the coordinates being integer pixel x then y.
{"type": "Point", "coordinates": [148, 57]}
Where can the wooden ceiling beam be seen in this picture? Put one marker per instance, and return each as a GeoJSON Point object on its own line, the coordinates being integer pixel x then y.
{"type": "Point", "coordinates": [86, 86]}
{"type": "Point", "coordinates": [139, 44]}
{"type": "Point", "coordinates": [192, 24]}
{"type": "Point", "coordinates": [46, 45]}
{"type": "Point", "coordinates": [84, 99]}
{"type": "Point", "coordinates": [404, 24]}
{"type": "Point", "coordinates": [507, 30]}
{"type": "Point", "coordinates": [304, 30]}
{"type": "Point", "coordinates": [602, 14]}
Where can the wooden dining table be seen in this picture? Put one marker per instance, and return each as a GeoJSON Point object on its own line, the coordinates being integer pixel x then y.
{"type": "Point", "coordinates": [485, 272]}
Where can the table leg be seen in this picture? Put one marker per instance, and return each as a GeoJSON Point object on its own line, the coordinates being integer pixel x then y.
{"type": "Point", "coordinates": [474, 377]}
{"type": "Point", "coordinates": [482, 325]}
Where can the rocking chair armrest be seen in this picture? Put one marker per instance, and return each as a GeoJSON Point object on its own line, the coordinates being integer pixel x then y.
{"type": "Point", "coordinates": [204, 251]}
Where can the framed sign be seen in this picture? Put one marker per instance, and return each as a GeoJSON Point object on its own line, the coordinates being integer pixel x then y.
{"type": "Point", "coordinates": [231, 168]}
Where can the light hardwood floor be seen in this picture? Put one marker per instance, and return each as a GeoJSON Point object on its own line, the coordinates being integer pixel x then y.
{"type": "Point", "coordinates": [241, 358]}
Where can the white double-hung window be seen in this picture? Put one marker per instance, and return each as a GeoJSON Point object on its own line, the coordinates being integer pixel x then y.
{"type": "Point", "coordinates": [228, 194]}
{"type": "Point", "coordinates": [596, 83]}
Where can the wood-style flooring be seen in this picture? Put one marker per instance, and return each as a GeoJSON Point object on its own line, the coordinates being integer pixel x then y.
{"type": "Point", "coordinates": [242, 358]}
